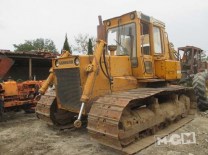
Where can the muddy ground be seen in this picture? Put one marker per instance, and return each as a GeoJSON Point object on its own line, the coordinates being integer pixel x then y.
{"type": "Point", "coordinates": [25, 134]}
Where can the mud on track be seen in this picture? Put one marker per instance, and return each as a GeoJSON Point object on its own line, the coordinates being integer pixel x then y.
{"type": "Point", "coordinates": [25, 134]}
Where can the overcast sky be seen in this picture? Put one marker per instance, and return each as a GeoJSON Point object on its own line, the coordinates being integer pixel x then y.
{"type": "Point", "coordinates": [186, 20]}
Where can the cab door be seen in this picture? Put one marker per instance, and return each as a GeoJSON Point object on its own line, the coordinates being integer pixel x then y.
{"type": "Point", "coordinates": [146, 54]}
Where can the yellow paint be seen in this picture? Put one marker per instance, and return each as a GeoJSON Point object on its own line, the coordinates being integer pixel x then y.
{"type": "Point", "coordinates": [10, 88]}
{"type": "Point", "coordinates": [168, 69]}
{"type": "Point", "coordinates": [123, 76]}
{"type": "Point", "coordinates": [179, 75]}
{"type": "Point", "coordinates": [120, 66]}
{"type": "Point", "coordinates": [91, 78]}
{"type": "Point", "coordinates": [124, 83]}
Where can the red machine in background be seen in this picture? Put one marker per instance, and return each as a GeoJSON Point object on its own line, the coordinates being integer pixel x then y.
{"type": "Point", "coordinates": [20, 95]}
{"type": "Point", "coordinates": [16, 95]}
{"type": "Point", "coordinates": [191, 62]}
{"type": "Point", "coordinates": [194, 69]}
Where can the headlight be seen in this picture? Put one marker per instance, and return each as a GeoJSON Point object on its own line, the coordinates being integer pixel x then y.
{"type": "Point", "coordinates": [56, 63]}
{"type": "Point", "coordinates": [76, 61]}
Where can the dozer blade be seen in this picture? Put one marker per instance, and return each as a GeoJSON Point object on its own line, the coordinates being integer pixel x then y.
{"type": "Point", "coordinates": [128, 121]}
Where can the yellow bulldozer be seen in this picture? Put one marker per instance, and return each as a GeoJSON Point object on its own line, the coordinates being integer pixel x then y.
{"type": "Point", "coordinates": [124, 90]}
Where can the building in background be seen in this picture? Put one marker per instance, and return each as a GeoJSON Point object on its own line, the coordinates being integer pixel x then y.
{"type": "Point", "coordinates": [29, 65]}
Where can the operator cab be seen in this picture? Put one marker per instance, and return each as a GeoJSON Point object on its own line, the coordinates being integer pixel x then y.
{"type": "Point", "coordinates": [145, 41]}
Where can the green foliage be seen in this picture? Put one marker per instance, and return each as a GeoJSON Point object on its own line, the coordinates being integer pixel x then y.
{"type": "Point", "coordinates": [27, 46]}
{"type": "Point", "coordinates": [66, 45]}
{"type": "Point", "coordinates": [38, 44]}
{"type": "Point", "coordinates": [89, 51]}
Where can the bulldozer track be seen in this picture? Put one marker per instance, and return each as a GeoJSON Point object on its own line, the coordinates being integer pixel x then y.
{"type": "Point", "coordinates": [104, 119]}
{"type": "Point", "coordinates": [47, 111]}
{"type": "Point", "coordinates": [106, 114]}
{"type": "Point", "coordinates": [43, 108]}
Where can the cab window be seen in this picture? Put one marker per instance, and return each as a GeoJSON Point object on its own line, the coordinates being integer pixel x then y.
{"type": "Point", "coordinates": [145, 41]}
{"type": "Point", "coordinates": [157, 40]}
{"type": "Point", "coordinates": [124, 37]}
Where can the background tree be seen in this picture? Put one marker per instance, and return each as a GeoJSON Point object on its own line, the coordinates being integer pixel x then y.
{"type": "Point", "coordinates": [66, 45]}
{"type": "Point", "coordinates": [82, 43]}
{"type": "Point", "coordinates": [37, 44]}
{"type": "Point", "coordinates": [89, 51]}
{"type": "Point", "coordinates": [27, 46]}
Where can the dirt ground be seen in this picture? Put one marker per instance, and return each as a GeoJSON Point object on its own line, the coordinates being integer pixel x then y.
{"type": "Point", "coordinates": [25, 134]}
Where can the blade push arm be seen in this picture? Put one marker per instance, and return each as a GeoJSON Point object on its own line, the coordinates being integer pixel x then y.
{"type": "Point", "coordinates": [88, 88]}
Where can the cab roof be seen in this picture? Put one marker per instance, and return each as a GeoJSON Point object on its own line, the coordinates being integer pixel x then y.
{"type": "Point", "coordinates": [142, 16]}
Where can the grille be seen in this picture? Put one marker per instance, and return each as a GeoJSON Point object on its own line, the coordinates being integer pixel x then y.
{"type": "Point", "coordinates": [69, 88]}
